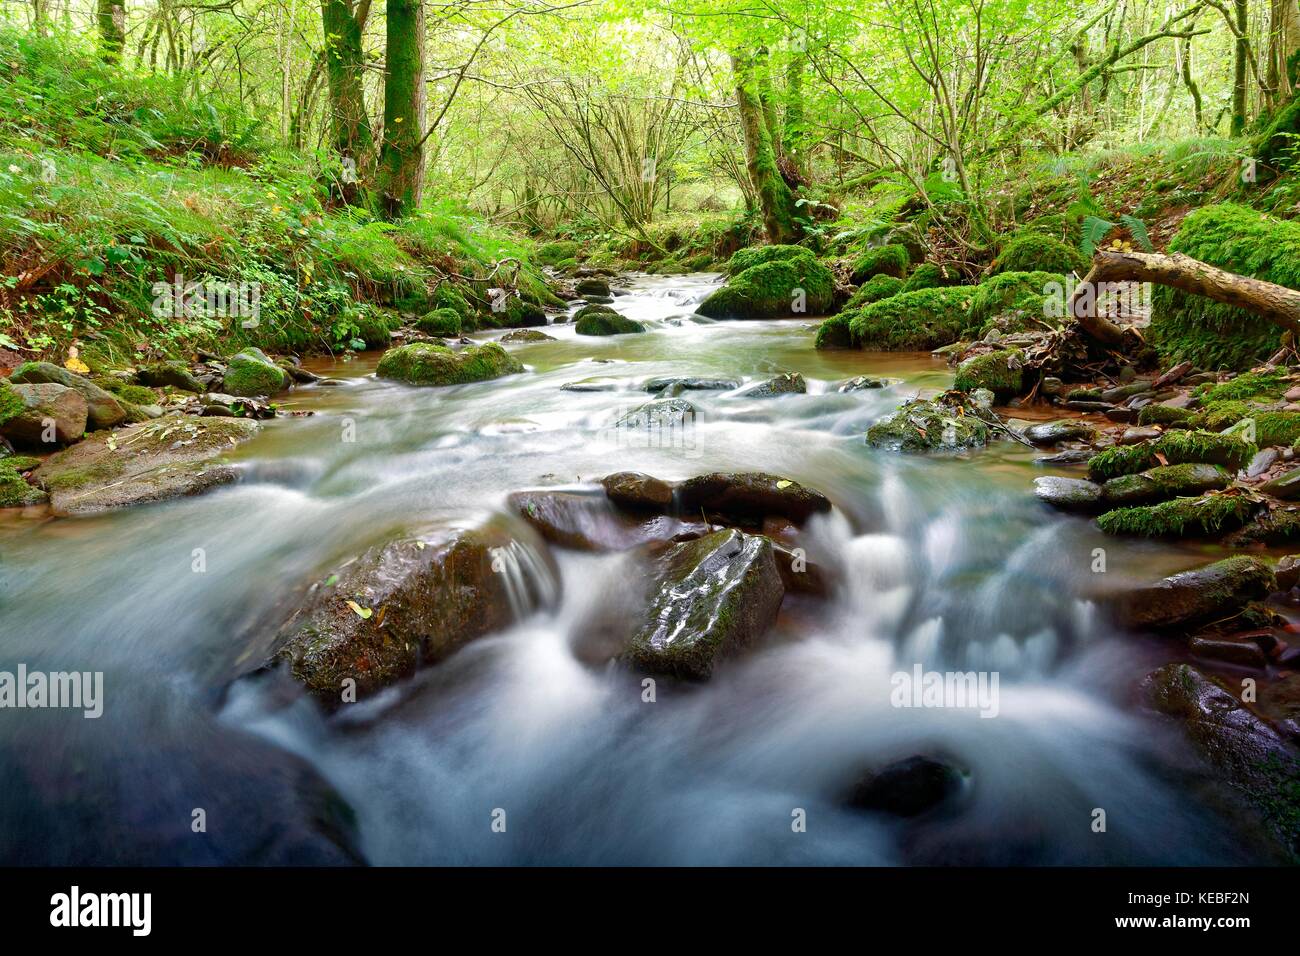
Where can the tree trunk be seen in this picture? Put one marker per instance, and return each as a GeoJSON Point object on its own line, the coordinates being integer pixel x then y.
{"type": "Point", "coordinates": [774, 196]}
{"type": "Point", "coordinates": [344, 61]}
{"type": "Point", "coordinates": [1276, 303]}
{"type": "Point", "coordinates": [1239, 68]}
{"type": "Point", "coordinates": [400, 180]}
{"type": "Point", "coordinates": [794, 117]}
{"type": "Point", "coordinates": [111, 15]}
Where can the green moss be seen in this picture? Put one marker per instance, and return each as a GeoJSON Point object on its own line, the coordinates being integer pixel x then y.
{"type": "Point", "coordinates": [891, 260]}
{"type": "Point", "coordinates": [595, 308]}
{"type": "Point", "coordinates": [1209, 334]}
{"type": "Point", "coordinates": [252, 373]}
{"type": "Point", "coordinates": [834, 333]}
{"type": "Point", "coordinates": [1164, 415]}
{"type": "Point", "coordinates": [1025, 291]}
{"type": "Point", "coordinates": [444, 322]}
{"type": "Point", "coordinates": [1275, 149]}
{"type": "Point", "coordinates": [606, 323]}
{"type": "Point", "coordinates": [11, 403]}
{"type": "Point", "coordinates": [1207, 515]}
{"type": "Point", "coordinates": [756, 256]}
{"type": "Point", "coordinates": [1165, 481]}
{"type": "Point", "coordinates": [1035, 252]}
{"type": "Point", "coordinates": [422, 363]}
{"type": "Point", "coordinates": [20, 462]}
{"type": "Point", "coordinates": [929, 275]}
{"type": "Point", "coordinates": [15, 492]}
{"type": "Point", "coordinates": [135, 394]}
{"type": "Point", "coordinates": [447, 296]}
{"type": "Point", "coordinates": [553, 253]}
{"type": "Point", "coordinates": [1262, 384]}
{"type": "Point", "coordinates": [1176, 448]}
{"type": "Point", "coordinates": [799, 285]}
{"type": "Point", "coordinates": [873, 290]}
{"type": "Point", "coordinates": [912, 321]}
{"type": "Point", "coordinates": [1001, 372]}
{"type": "Point", "coordinates": [928, 426]}
{"type": "Point", "coordinates": [373, 326]}
{"type": "Point", "coordinates": [1274, 526]}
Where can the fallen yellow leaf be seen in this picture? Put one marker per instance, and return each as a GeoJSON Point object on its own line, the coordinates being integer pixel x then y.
{"type": "Point", "coordinates": [361, 612]}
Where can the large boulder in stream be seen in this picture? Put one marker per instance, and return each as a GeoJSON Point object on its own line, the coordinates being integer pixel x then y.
{"type": "Point", "coordinates": [103, 408]}
{"type": "Point", "coordinates": [789, 288]}
{"type": "Point", "coordinates": [943, 424]}
{"type": "Point", "coordinates": [251, 373]}
{"type": "Point", "coordinates": [591, 522]}
{"type": "Point", "coordinates": [1246, 753]}
{"type": "Point", "coordinates": [606, 323]}
{"type": "Point", "coordinates": [422, 363]}
{"type": "Point", "coordinates": [411, 602]}
{"type": "Point", "coordinates": [750, 495]}
{"type": "Point", "coordinates": [169, 457]}
{"type": "Point", "coordinates": [42, 414]}
{"type": "Point", "coordinates": [1215, 591]}
{"type": "Point", "coordinates": [710, 597]}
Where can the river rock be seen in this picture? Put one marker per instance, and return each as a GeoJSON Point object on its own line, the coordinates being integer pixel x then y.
{"type": "Point", "coordinates": [103, 408]}
{"type": "Point", "coordinates": [170, 457]}
{"type": "Point", "coordinates": [1247, 754]}
{"type": "Point", "coordinates": [590, 522]}
{"type": "Point", "coordinates": [1239, 653]}
{"type": "Point", "coordinates": [30, 413]}
{"type": "Point", "coordinates": [863, 383]}
{"type": "Point", "coordinates": [1187, 480]}
{"type": "Point", "coordinates": [418, 598]}
{"type": "Point", "coordinates": [711, 597]}
{"type": "Point", "coordinates": [591, 286]}
{"type": "Point", "coordinates": [1071, 456]}
{"type": "Point", "coordinates": [665, 413]}
{"type": "Point", "coordinates": [1214, 591]}
{"type": "Point", "coordinates": [1069, 494]}
{"type": "Point", "coordinates": [1285, 486]}
{"type": "Point", "coordinates": [527, 335]}
{"type": "Point", "coordinates": [908, 787]}
{"type": "Point", "coordinates": [657, 385]}
{"type": "Point", "coordinates": [636, 491]}
{"type": "Point", "coordinates": [171, 374]}
{"type": "Point", "coordinates": [422, 363]}
{"type": "Point", "coordinates": [1053, 433]}
{"type": "Point", "coordinates": [929, 426]}
{"type": "Point", "coordinates": [252, 373]}
{"type": "Point", "coordinates": [750, 495]}
{"type": "Point", "coordinates": [788, 383]}
{"type": "Point", "coordinates": [1138, 434]}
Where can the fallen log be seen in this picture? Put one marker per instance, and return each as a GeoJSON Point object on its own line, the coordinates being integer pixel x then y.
{"type": "Point", "coordinates": [1276, 303]}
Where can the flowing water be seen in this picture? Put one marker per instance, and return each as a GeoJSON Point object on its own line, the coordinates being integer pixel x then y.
{"type": "Point", "coordinates": [949, 563]}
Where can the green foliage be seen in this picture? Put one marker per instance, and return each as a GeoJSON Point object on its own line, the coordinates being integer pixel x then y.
{"type": "Point", "coordinates": [553, 253]}
{"type": "Point", "coordinates": [1268, 383]}
{"type": "Point", "coordinates": [1209, 334]}
{"type": "Point", "coordinates": [912, 321]}
{"type": "Point", "coordinates": [748, 258]}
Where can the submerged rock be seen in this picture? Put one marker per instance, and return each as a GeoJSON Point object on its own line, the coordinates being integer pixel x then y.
{"type": "Point", "coordinates": [422, 363]}
{"type": "Point", "coordinates": [42, 414]}
{"type": "Point", "coordinates": [1214, 591]}
{"type": "Point", "coordinates": [752, 495]}
{"type": "Point", "coordinates": [711, 597]}
{"type": "Point", "coordinates": [165, 458]}
{"type": "Point", "coordinates": [788, 383]}
{"type": "Point", "coordinates": [665, 413]}
{"type": "Point", "coordinates": [863, 383]}
{"type": "Point", "coordinates": [1069, 494]}
{"type": "Point", "coordinates": [1246, 753]}
{"type": "Point", "coordinates": [908, 787]}
{"type": "Point", "coordinates": [417, 599]}
{"type": "Point", "coordinates": [606, 323]}
{"type": "Point", "coordinates": [634, 490]}
{"type": "Point", "coordinates": [690, 384]}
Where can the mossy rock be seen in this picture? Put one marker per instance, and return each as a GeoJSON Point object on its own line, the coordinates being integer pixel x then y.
{"type": "Point", "coordinates": [251, 373]}
{"type": "Point", "coordinates": [555, 253]}
{"type": "Point", "coordinates": [422, 363]}
{"type": "Point", "coordinates": [784, 288]}
{"type": "Point", "coordinates": [891, 260]}
{"type": "Point", "coordinates": [930, 275]}
{"type": "Point", "coordinates": [912, 321]}
{"type": "Point", "coordinates": [1166, 481]}
{"type": "Point", "coordinates": [444, 322]}
{"type": "Point", "coordinates": [873, 290]}
{"type": "Point", "coordinates": [1001, 372]}
{"type": "Point", "coordinates": [758, 255]}
{"type": "Point", "coordinates": [606, 323]}
{"type": "Point", "coordinates": [133, 394]}
{"type": "Point", "coordinates": [596, 308]}
{"type": "Point", "coordinates": [1176, 448]}
{"type": "Point", "coordinates": [15, 492]}
{"type": "Point", "coordinates": [1270, 427]}
{"type": "Point", "coordinates": [923, 426]}
{"type": "Point", "coordinates": [1025, 291]}
{"type": "Point", "coordinates": [1208, 515]}
{"type": "Point", "coordinates": [834, 333]}
{"type": "Point", "coordinates": [373, 327]}
{"type": "Point", "coordinates": [173, 374]}
{"type": "Point", "coordinates": [105, 410]}
{"type": "Point", "coordinates": [519, 314]}
{"type": "Point", "coordinates": [11, 403]}
{"type": "Point", "coordinates": [1035, 252]}
{"type": "Point", "coordinates": [1165, 415]}
{"type": "Point", "coordinates": [447, 296]}
{"type": "Point", "coordinates": [1261, 384]}
{"type": "Point", "coordinates": [1211, 335]}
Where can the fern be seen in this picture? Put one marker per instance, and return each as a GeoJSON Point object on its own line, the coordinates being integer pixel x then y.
{"type": "Point", "coordinates": [1093, 230]}
{"type": "Point", "coordinates": [1138, 230]}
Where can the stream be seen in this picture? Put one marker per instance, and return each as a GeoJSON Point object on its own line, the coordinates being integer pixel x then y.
{"type": "Point", "coordinates": [945, 562]}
